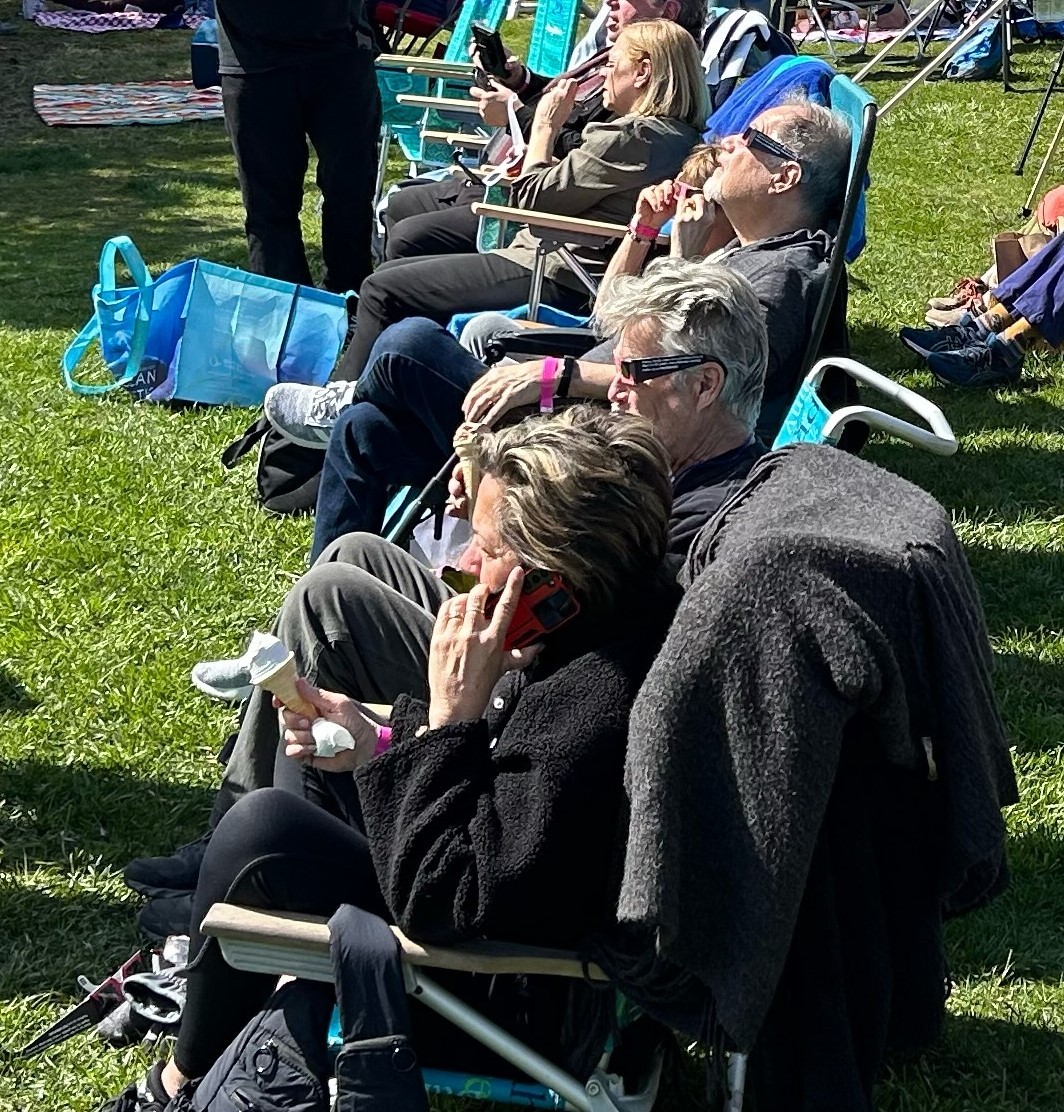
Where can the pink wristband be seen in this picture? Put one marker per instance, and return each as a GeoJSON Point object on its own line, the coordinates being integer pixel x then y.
{"type": "Point", "coordinates": [643, 231]}
{"type": "Point", "coordinates": [548, 377]}
{"type": "Point", "coordinates": [384, 740]}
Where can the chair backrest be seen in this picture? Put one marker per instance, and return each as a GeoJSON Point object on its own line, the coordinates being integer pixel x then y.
{"type": "Point", "coordinates": [553, 36]}
{"type": "Point", "coordinates": [860, 109]}
{"type": "Point", "coordinates": [490, 12]}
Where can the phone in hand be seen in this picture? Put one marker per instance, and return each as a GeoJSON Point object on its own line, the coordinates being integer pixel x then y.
{"type": "Point", "coordinates": [545, 604]}
{"type": "Point", "coordinates": [489, 47]}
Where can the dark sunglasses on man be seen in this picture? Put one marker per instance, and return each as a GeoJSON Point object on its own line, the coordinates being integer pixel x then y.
{"type": "Point", "coordinates": [759, 141]}
{"type": "Point", "coordinates": [655, 366]}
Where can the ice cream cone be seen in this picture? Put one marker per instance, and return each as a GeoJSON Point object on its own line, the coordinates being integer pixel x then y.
{"type": "Point", "coordinates": [282, 683]}
{"type": "Point", "coordinates": [464, 442]}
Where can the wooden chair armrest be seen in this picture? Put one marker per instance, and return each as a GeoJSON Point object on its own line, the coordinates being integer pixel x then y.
{"type": "Point", "coordinates": [308, 936]}
{"type": "Point", "coordinates": [551, 222]}
{"type": "Point", "coordinates": [428, 67]}
{"type": "Point", "coordinates": [456, 138]}
{"type": "Point", "coordinates": [442, 104]}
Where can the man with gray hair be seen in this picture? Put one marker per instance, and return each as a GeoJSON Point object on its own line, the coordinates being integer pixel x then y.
{"type": "Point", "coordinates": [691, 356]}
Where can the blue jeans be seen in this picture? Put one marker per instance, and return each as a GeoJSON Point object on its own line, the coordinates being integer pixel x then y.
{"type": "Point", "coordinates": [398, 431]}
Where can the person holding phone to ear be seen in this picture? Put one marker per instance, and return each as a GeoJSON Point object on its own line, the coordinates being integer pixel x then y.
{"type": "Point", "coordinates": [497, 799]}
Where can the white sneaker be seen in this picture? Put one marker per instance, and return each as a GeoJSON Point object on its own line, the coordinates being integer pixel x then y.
{"type": "Point", "coordinates": [305, 415]}
{"type": "Point", "coordinates": [228, 680]}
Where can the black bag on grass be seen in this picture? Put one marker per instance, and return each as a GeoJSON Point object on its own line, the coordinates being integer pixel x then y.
{"type": "Point", "coordinates": [279, 1062]}
{"type": "Point", "coordinates": [287, 475]}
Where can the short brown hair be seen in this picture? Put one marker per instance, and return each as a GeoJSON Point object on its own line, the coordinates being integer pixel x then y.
{"type": "Point", "coordinates": [586, 494]}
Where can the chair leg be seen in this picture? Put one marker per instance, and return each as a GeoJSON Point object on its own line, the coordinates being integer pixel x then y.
{"type": "Point", "coordinates": [814, 14]}
{"type": "Point", "coordinates": [539, 268]}
{"type": "Point", "coordinates": [736, 1083]}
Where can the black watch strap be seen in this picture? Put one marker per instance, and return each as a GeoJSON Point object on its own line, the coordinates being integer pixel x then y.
{"type": "Point", "coordinates": [565, 379]}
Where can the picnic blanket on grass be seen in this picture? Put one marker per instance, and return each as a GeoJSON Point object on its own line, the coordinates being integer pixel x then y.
{"type": "Point", "coordinates": [140, 102]}
{"type": "Point", "coordinates": [94, 23]}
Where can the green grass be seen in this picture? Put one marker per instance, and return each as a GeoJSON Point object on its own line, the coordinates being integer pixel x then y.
{"type": "Point", "coordinates": [127, 553]}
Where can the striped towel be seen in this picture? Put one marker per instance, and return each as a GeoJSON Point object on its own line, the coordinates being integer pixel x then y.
{"type": "Point", "coordinates": [142, 102]}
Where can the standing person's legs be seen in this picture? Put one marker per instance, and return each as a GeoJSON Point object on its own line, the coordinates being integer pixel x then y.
{"type": "Point", "coordinates": [265, 126]}
{"type": "Point", "coordinates": [399, 430]}
{"type": "Point", "coordinates": [437, 287]}
{"type": "Point", "coordinates": [342, 115]}
{"type": "Point", "coordinates": [434, 218]}
{"type": "Point", "coordinates": [359, 622]}
{"type": "Point", "coordinates": [272, 850]}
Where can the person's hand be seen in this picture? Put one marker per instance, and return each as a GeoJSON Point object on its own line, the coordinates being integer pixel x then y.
{"type": "Point", "coordinates": [491, 103]}
{"type": "Point", "coordinates": [695, 218]}
{"type": "Point", "coordinates": [457, 498]}
{"type": "Point", "coordinates": [555, 106]}
{"type": "Point", "coordinates": [656, 204]}
{"type": "Point", "coordinates": [515, 69]}
{"type": "Point", "coordinates": [502, 389]}
{"type": "Point", "coordinates": [467, 657]}
{"type": "Point", "coordinates": [333, 707]}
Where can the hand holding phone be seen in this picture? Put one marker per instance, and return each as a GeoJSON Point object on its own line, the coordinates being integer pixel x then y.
{"type": "Point", "coordinates": [490, 50]}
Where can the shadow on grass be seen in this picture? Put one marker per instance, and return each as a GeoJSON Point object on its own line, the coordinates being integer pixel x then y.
{"type": "Point", "coordinates": [14, 698]}
{"type": "Point", "coordinates": [980, 1063]}
{"type": "Point", "coordinates": [101, 813]}
{"type": "Point", "coordinates": [52, 936]}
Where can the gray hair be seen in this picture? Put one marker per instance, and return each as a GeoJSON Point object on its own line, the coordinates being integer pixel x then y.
{"type": "Point", "coordinates": [586, 494]}
{"type": "Point", "coordinates": [822, 138]}
{"type": "Point", "coordinates": [698, 306]}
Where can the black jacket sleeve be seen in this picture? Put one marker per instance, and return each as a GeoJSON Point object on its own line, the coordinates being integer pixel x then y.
{"type": "Point", "coordinates": [508, 837]}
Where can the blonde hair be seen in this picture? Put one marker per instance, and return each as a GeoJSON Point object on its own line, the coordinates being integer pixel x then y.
{"type": "Point", "coordinates": [586, 494]}
{"type": "Point", "coordinates": [699, 165]}
{"type": "Point", "coordinates": [677, 86]}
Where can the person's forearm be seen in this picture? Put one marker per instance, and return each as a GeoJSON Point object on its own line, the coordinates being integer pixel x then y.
{"type": "Point", "coordinates": [540, 144]}
{"type": "Point", "coordinates": [629, 258]}
{"type": "Point", "coordinates": [591, 380]}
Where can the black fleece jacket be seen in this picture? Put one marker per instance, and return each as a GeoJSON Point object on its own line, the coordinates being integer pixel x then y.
{"type": "Point", "coordinates": [508, 826]}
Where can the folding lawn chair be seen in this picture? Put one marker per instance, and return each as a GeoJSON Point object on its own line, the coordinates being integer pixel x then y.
{"type": "Point", "coordinates": [298, 945]}
{"type": "Point", "coordinates": [810, 421]}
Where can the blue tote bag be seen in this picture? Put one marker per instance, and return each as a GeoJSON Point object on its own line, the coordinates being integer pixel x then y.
{"type": "Point", "coordinates": [206, 333]}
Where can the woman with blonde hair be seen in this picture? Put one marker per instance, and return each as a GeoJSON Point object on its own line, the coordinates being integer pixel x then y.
{"type": "Point", "coordinates": [655, 88]}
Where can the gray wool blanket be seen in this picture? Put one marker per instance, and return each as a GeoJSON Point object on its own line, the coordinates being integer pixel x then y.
{"type": "Point", "coordinates": [830, 604]}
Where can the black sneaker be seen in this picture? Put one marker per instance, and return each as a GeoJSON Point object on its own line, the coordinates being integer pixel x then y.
{"type": "Point", "coordinates": [175, 875]}
{"type": "Point", "coordinates": [165, 916]}
{"type": "Point", "coordinates": [923, 341]}
{"type": "Point", "coordinates": [145, 1095]}
{"type": "Point", "coordinates": [996, 362]}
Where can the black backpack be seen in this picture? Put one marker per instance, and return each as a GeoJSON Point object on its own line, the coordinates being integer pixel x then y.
{"type": "Point", "coordinates": [287, 475]}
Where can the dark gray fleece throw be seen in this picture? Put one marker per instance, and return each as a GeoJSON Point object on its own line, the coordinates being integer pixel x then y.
{"type": "Point", "coordinates": [831, 617]}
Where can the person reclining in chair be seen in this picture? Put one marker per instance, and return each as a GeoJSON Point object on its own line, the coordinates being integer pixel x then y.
{"type": "Point", "coordinates": [491, 809]}
{"type": "Point", "coordinates": [436, 217]}
{"type": "Point", "coordinates": [360, 621]}
{"type": "Point", "coordinates": [417, 374]}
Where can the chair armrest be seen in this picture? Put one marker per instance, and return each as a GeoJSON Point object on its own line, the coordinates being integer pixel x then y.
{"type": "Point", "coordinates": [456, 138]}
{"type": "Point", "coordinates": [541, 342]}
{"type": "Point", "coordinates": [441, 104]}
{"type": "Point", "coordinates": [426, 67]}
{"type": "Point", "coordinates": [288, 942]}
{"type": "Point", "coordinates": [551, 222]}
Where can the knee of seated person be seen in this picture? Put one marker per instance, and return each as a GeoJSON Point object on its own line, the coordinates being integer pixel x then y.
{"type": "Point", "coordinates": [252, 815]}
{"type": "Point", "coordinates": [359, 549]}
{"type": "Point", "coordinates": [415, 337]}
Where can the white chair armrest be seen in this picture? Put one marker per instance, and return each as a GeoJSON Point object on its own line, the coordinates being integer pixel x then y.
{"type": "Point", "coordinates": [450, 105]}
{"type": "Point", "coordinates": [551, 222]}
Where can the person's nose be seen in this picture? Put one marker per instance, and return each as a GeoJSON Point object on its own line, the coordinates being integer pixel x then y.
{"type": "Point", "coordinates": [470, 560]}
{"type": "Point", "coordinates": [618, 391]}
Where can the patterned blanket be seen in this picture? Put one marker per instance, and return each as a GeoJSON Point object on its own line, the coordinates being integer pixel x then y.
{"type": "Point", "coordinates": [148, 102]}
{"type": "Point", "coordinates": [96, 23]}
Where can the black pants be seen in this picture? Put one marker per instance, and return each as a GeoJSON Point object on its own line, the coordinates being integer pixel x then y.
{"type": "Point", "coordinates": [269, 117]}
{"type": "Point", "coordinates": [437, 287]}
{"type": "Point", "coordinates": [272, 849]}
{"type": "Point", "coordinates": [432, 218]}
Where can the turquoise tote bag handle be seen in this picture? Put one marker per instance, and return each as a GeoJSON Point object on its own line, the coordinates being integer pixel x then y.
{"type": "Point", "coordinates": [117, 246]}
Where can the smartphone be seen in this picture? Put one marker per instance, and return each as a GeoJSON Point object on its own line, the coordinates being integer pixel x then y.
{"type": "Point", "coordinates": [489, 47]}
{"type": "Point", "coordinates": [546, 604]}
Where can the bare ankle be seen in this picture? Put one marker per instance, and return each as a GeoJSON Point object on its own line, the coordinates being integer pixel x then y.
{"type": "Point", "coordinates": [172, 1078]}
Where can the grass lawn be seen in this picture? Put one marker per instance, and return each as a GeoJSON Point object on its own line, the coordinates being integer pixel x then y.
{"type": "Point", "coordinates": [127, 554]}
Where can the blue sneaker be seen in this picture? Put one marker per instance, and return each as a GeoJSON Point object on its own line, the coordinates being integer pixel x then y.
{"type": "Point", "coordinates": [923, 341]}
{"type": "Point", "coordinates": [995, 362]}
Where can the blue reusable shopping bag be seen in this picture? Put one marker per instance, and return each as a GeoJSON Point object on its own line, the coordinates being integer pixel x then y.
{"type": "Point", "coordinates": [206, 333]}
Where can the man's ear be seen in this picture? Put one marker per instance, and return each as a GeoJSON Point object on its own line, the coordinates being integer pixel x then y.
{"type": "Point", "coordinates": [710, 384]}
{"type": "Point", "coordinates": [789, 176]}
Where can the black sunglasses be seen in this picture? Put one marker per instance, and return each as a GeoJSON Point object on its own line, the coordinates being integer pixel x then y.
{"type": "Point", "coordinates": [641, 370]}
{"type": "Point", "coordinates": [752, 137]}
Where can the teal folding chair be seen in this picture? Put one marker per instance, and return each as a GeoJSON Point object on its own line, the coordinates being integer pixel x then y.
{"type": "Point", "coordinates": [810, 421]}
